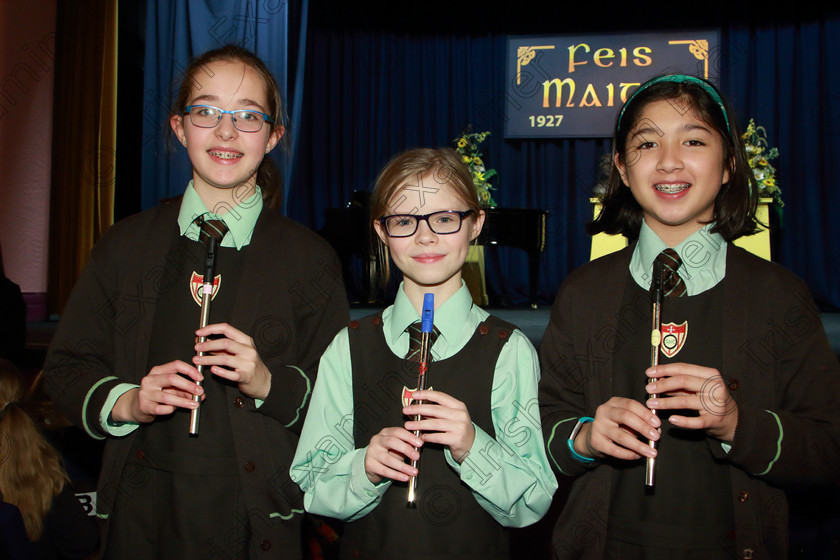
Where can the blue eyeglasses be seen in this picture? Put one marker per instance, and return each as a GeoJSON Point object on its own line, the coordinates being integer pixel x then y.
{"type": "Point", "coordinates": [245, 120]}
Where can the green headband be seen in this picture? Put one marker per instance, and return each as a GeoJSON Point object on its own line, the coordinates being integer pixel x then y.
{"type": "Point", "coordinates": [680, 79]}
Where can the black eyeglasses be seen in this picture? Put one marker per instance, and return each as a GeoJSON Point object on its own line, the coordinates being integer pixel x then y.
{"type": "Point", "coordinates": [443, 222]}
{"type": "Point", "coordinates": [245, 120]}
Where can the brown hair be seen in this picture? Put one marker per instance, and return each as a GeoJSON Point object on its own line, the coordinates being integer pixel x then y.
{"type": "Point", "coordinates": [442, 165]}
{"type": "Point", "coordinates": [269, 177]}
{"type": "Point", "coordinates": [736, 202]}
{"type": "Point", "coordinates": [31, 474]}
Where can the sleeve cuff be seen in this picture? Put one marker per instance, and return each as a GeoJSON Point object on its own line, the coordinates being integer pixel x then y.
{"type": "Point", "coordinates": [481, 461]}
{"type": "Point", "coordinates": [360, 484]}
{"type": "Point", "coordinates": [287, 406]}
{"type": "Point", "coordinates": [116, 429]}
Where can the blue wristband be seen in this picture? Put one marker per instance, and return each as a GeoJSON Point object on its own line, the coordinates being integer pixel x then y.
{"type": "Point", "coordinates": [571, 441]}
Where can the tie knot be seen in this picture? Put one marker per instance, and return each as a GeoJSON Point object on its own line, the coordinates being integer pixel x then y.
{"type": "Point", "coordinates": [672, 282]}
{"type": "Point", "coordinates": [414, 342]}
{"type": "Point", "coordinates": [211, 228]}
{"type": "Point", "coordinates": [670, 259]}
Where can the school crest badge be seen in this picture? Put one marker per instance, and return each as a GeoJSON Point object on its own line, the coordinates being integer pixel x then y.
{"type": "Point", "coordinates": [673, 338]}
{"type": "Point", "coordinates": [197, 287]}
{"type": "Point", "coordinates": [406, 395]}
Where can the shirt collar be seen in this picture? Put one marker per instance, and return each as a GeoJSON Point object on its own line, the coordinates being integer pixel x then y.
{"type": "Point", "coordinates": [703, 254]}
{"type": "Point", "coordinates": [240, 219]}
{"type": "Point", "coordinates": [449, 317]}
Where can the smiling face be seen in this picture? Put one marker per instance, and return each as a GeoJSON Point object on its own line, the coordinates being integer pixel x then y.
{"type": "Point", "coordinates": [430, 262]}
{"type": "Point", "coordinates": [224, 159]}
{"type": "Point", "coordinates": [674, 166]}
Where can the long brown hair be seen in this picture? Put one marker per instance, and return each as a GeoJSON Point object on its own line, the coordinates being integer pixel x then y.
{"type": "Point", "coordinates": [269, 177]}
{"type": "Point", "coordinates": [31, 474]}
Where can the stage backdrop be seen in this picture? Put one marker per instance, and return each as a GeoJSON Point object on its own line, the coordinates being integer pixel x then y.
{"type": "Point", "coordinates": [573, 86]}
{"type": "Point", "coordinates": [369, 94]}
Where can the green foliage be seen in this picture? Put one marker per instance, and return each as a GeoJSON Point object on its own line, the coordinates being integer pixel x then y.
{"type": "Point", "coordinates": [467, 146]}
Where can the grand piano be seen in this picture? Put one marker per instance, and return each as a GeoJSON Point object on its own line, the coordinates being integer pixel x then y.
{"type": "Point", "coordinates": [348, 231]}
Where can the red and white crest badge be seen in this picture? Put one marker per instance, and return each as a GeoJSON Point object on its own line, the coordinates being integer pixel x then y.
{"type": "Point", "coordinates": [407, 400]}
{"type": "Point", "coordinates": [406, 396]}
{"type": "Point", "coordinates": [673, 338]}
{"type": "Point", "coordinates": [197, 286]}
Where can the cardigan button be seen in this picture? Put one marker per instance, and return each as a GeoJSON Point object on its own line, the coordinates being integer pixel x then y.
{"type": "Point", "coordinates": [376, 320]}
{"type": "Point", "coordinates": [734, 384]}
{"type": "Point", "coordinates": [353, 324]}
{"type": "Point", "coordinates": [140, 454]}
{"type": "Point", "coordinates": [503, 335]}
{"type": "Point", "coordinates": [743, 496]}
{"type": "Point", "coordinates": [747, 553]}
{"type": "Point", "coordinates": [238, 402]}
{"type": "Point", "coordinates": [249, 466]}
{"type": "Point", "coordinates": [265, 545]}
{"type": "Point", "coordinates": [483, 329]}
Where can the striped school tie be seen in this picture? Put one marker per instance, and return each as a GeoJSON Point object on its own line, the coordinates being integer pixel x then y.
{"type": "Point", "coordinates": [215, 229]}
{"type": "Point", "coordinates": [672, 283]}
{"type": "Point", "coordinates": [413, 354]}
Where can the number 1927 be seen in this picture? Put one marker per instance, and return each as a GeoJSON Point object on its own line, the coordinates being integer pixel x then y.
{"type": "Point", "coordinates": [545, 120]}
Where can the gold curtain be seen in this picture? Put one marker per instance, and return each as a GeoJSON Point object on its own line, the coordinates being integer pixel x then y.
{"type": "Point", "coordinates": [84, 139]}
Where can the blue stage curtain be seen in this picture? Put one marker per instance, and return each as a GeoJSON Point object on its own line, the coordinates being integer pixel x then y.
{"type": "Point", "coordinates": [177, 31]}
{"type": "Point", "coordinates": [361, 96]}
{"type": "Point", "coordinates": [785, 77]}
{"type": "Point", "coordinates": [371, 94]}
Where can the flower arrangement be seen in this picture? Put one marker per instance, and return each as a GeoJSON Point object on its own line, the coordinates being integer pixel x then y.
{"type": "Point", "coordinates": [759, 156]}
{"type": "Point", "coordinates": [467, 146]}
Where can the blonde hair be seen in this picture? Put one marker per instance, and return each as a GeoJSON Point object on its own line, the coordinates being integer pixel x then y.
{"type": "Point", "coordinates": [442, 165]}
{"type": "Point", "coordinates": [31, 474]}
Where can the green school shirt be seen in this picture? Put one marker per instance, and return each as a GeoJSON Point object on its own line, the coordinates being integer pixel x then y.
{"type": "Point", "coordinates": [329, 465]}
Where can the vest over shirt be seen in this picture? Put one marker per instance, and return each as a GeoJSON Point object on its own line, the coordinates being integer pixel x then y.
{"type": "Point", "coordinates": [447, 521]}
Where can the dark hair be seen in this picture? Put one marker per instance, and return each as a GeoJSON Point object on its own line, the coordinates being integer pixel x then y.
{"type": "Point", "coordinates": [735, 204]}
{"type": "Point", "coordinates": [442, 165]}
{"type": "Point", "coordinates": [269, 177]}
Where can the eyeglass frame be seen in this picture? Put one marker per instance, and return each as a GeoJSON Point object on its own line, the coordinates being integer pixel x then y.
{"type": "Point", "coordinates": [266, 117]}
{"type": "Point", "coordinates": [425, 217]}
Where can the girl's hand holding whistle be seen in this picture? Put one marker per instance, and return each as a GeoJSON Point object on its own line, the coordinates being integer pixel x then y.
{"type": "Point", "coordinates": [386, 453]}
{"type": "Point", "coordinates": [234, 357]}
{"type": "Point", "coordinates": [445, 420]}
{"type": "Point", "coordinates": [164, 389]}
{"type": "Point", "coordinates": [615, 432]}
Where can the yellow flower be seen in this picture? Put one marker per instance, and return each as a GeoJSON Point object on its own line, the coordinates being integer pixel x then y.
{"type": "Point", "coordinates": [480, 176]}
{"type": "Point", "coordinates": [466, 159]}
{"type": "Point", "coordinates": [462, 142]}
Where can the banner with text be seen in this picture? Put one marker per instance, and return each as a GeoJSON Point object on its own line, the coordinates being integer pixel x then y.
{"type": "Point", "coordinates": [573, 86]}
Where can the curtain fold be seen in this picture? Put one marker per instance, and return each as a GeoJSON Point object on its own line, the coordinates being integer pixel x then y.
{"type": "Point", "coordinates": [84, 140]}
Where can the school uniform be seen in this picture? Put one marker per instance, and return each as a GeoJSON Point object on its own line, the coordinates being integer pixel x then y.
{"type": "Point", "coordinates": [280, 284]}
{"type": "Point", "coordinates": [753, 321]}
{"type": "Point", "coordinates": [461, 509]}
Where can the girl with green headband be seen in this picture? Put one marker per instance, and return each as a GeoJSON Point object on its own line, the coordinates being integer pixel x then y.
{"type": "Point", "coordinates": [734, 395]}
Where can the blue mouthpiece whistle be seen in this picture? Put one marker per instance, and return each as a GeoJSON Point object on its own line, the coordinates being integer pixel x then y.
{"type": "Point", "coordinates": [427, 319]}
{"type": "Point", "coordinates": [426, 326]}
